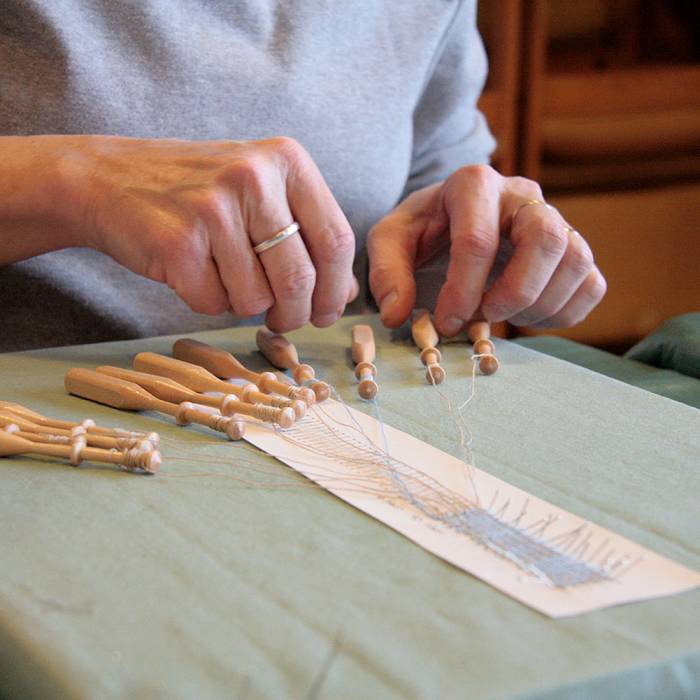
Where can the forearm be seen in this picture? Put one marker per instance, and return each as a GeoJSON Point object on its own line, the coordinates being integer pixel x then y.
{"type": "Point", "coordinates": [39, 209]}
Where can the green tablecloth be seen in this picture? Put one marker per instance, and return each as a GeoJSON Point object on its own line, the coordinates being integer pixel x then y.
{"type": "Point", "coordinates": [662, 380]}
{"type": "Point", "coordinates": [119, 586]}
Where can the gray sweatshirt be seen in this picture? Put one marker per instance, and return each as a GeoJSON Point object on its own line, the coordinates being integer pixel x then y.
{"type": "Point", "coordinates": [382, 94]}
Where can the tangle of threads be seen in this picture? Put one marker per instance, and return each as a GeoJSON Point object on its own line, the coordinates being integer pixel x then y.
{"type": "Point", "coordinates": [557, 561]}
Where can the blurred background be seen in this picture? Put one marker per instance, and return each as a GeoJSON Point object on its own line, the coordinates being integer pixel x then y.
{"type": "Point", "coordinates": [600, 102]}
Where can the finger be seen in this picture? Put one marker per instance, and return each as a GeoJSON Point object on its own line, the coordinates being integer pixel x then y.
{"type": "Point", "coordinates": [567, 278]}
{"type": "Point", "coordinates": [196, 280]}
{"type": "Point", "coordinates": [354, 290]}
{"type": "Point", "coordinates": [178, 254]}
{"type": "Point", "coordinates": [473, 205]}
{"type": "Point", "coordinates": [392, 246]}
{"type": "Point", "coordinates": [539, 239]}
{"type": "Point", "coordinates": [241, 274]}
{"type": "Point", "coordinates": [287, 265]}
{"type": "Point", "coordinates": [329, 239]}
{"type": "Point", "coordinates": [584, 300]}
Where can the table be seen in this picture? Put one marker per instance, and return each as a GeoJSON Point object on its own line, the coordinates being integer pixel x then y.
{"type": "Point", "coordinates": [182, 586]}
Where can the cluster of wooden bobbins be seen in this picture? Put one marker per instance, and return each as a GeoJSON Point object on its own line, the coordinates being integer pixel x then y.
{"type": "Point", "coordinates": [426, 337]}
{"type": "Point", "coordinates": [198, 385]}
{"type": "Point", "coordinates": [23, 431]}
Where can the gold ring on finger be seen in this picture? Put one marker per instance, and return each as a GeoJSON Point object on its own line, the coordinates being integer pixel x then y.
{"type": "Point", "coordinates": [528, 203]}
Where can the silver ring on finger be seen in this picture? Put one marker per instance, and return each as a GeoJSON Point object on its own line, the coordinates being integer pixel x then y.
{"type": "Point", "coordinates": [528, 203]}
{"type": "Point", "coordinates": [277, 238]}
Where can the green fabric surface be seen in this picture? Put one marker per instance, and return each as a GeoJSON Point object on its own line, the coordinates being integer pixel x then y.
{"type": "Point", "coordinates": [184, 586]}
{"type": "Point", "coordinates": [665, 382]}
{"type": "Point", "coordinates": [674, 345]}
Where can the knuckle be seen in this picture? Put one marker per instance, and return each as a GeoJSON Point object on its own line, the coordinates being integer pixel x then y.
{"type": "Point", "coordinates": [552, 239]}
{"type": "Point", "coordinates": [580, 259]}
{"type": "Point", "coordinates": [525, 187]}
{"type": "Point", "coordinates": [297, 282]}
{"type": "Point", "coordinates": [597, 289]}
{"type": "Point", "coordinates": [208, 204]}
{"type": "Point", "coordinates": [338, 245]}
{"type": "Point", "coordinates": [180, 243]}
{"type": "Point", "coordinates": [290, 149]}
{"type": "Point", "coordinates": [522, 296]}
{"type": "Point", "coordinates": [477, 174]}
{"type": "Point", "coordinates": [478, 243]}
{"type": "Point", "coordinates": [247, 174]}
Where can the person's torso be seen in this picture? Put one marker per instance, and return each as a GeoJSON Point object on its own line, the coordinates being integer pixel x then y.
{"type": "Point", "coordinates": [343, 78]}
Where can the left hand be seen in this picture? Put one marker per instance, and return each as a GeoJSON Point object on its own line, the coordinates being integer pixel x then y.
{"type": "Point", "coordinates": [549, 281]}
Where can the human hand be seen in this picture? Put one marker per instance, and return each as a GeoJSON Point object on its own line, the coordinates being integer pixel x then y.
{"type": "Point", "coordinates": [549, 281]}
{"type": "Point", "coordinates": [189, 214]}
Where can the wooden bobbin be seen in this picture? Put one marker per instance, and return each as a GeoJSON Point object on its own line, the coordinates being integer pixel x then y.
{"type": "Point", "coordinates": [281, 353]}
{"type": "Point", "coordinates": [170, 390]}
{"type": "Point", "coordinates": [478, 333]}
{"type": "Point", "coordinates": [426, 338]}
{"type": "Point", "coordinates": [201, 380]}
{"type": "Point", "coordinates": [87, 423]}
{"type": "Point", "coordinates": [363, 354]}
{"type": "Point", "coordinates": [131, 460]}
{"type": "Point", "coordinates": [119, 393]}
{"type": "Point", "coordinates": [189, 412]}
{"type": "Point", "coordinates": [45, 433]}
{"type": "Point", "coordinates": [224, 365]}
{"type": "Point", "coordinates": [139, 446]}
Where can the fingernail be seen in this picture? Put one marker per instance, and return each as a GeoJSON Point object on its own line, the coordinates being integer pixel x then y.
{"type": "Point", "coordinates": [388, 302]}
{"type": "Point", "coordinates": [452, 325]}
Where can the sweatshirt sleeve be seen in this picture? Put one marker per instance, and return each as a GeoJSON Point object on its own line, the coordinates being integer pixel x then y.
{"type": "Point", "coordinates": [448, 129]}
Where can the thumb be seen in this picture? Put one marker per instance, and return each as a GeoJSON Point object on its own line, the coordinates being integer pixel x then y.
{"type": "Point", "coordinates": [392, 253]}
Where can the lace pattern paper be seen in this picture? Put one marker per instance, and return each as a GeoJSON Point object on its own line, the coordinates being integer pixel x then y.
{"type": "Point", "coordinates": [539, 554]}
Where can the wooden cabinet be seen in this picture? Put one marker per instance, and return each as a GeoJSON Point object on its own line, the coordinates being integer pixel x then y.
{"type": "Point", "coordinates": [604, 103]}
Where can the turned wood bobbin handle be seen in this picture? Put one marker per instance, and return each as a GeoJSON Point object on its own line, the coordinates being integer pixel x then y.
{"type": "Point", "coordinates": [363, 348]}
{"type": "Point", "coordinates": [223, 364]}
{"type": "Point", "coordinates": [426, 338]}
{"type": "Point", "coordinates": [423, 330]}
{"type": "Point", "coordinates": [22, 411]}
{"type": "Point", "coordinates": [11, 445]}
{"type": "Point", "coordinates": [111, 391]}
{"type": "Point", "coordinates": [478, 333]}
{"type": "Point", "coordinates": [232, 426]}
{"type": "Point", "coordinates": [191, 376]}
{"type": "Point", "coordinates": [77, 452]}
{"type": "Point", "coordinates": [161, 387]}
{"type": "Point", "coordinates": [277, 349]}
{"type": "Point", "coordinates": [282, 353]}
{"type": "Point", "coordinates": [363, 352]}
{"type": "Point", "coordinates": [219, 362]}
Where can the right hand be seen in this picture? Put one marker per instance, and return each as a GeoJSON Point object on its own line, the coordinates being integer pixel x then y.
{"type": "Point", "coordinates": [188, 213]}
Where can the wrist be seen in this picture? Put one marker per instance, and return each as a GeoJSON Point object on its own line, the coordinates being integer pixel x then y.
{"type": "Point", "coordinates": [38, 210]}
{"type": "Point", "coordinates": [71, 168]}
